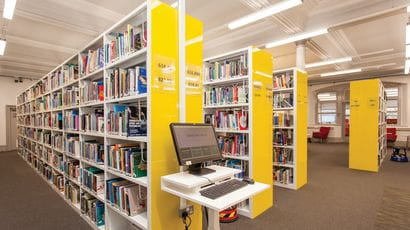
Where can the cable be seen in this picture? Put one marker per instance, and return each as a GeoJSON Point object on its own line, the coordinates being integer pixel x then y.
{"type": "Point", "coordinates": [210, 181]}
{"type": "Point", "coordinates": [187, 224]}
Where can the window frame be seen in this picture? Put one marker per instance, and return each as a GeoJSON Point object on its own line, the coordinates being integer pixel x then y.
{"type": "Point", "coordinates": [398, 103]}
{"type": "Point", "coordinates": [319, 105]}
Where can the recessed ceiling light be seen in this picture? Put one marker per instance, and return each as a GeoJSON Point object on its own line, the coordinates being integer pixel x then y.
{"type": "Point", "coordinates": [8, 10]}
{"type": "Point", "coordinates": [329, 62]}
{"type": "Point", "coordinates": [296, 37]}
{"type": "Point", "coordinates": [341, 72]}
{"type": "Point", "coordinates": [263, 13]}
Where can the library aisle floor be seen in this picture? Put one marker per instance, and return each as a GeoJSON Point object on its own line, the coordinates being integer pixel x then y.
{"type": "Point", "coordinates": [27, 203]}
{"type": "Point", "coordinates": [335, 198]}
{"type": "Point", "coordinates": [339, 198]}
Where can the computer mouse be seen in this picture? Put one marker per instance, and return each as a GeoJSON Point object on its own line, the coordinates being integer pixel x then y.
{"type": "Point", "coordinates": [248, 180]}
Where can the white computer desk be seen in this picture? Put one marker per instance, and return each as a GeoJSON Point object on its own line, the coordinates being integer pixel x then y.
{"type": "Point", "coordinates": [187, 186]}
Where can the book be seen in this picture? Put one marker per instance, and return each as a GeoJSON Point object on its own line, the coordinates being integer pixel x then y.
{"type": "Point", "coordinates": [93, 121]}
{"type": "Point", "coordinates": [129, 159]}
{"type": "Point", "coordinates": [233, 144]}
{"type": "Point", "coordinates": [126, 82]}
{"type": "Point", "coordinates": [232, 68]}
{"type": "Point", "coordinates": [124, 43]}
{"type": "Point", "coordinates": [225, 95]}
{"type": "Point", "coordinates": [228, 119]}
{"type": "Point", "coordinates": [93, 151]}
{"type": "Point", "coordinates": [72, 120]}
{"type": "Point", "coordinates": [92, 91]}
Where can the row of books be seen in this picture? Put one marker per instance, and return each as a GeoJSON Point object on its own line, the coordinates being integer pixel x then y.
{"type": "Point", "coordinates": [127, 121]}
{"type": "Point", "coordinates": [56, 79]}
{"type": "Point", "coordinates": [124, 43]}
{"type": "Point", "coordinates": [57, 160]}
{"type": "Point", "coordinates": [91, 91]}
{"type": "Point", "coordinates": [283, 175]}
{"type": "Point", "coordinates": [73, 145]}
{"type": "Point", "coordinates": [72, 192]}
{"type": "Point", "coordinates": [233, 144]}
{"type": "Point", "coordinates": [57, 120]}
{"type": "Point", "coordinates": [236, 94]}
{"type": "Point", "coordinates": [70, 72]}
{"type": "Point", "coordinates": [93, 209]}
{"type": "Point", "coordinates": [57, 141]}
{"type": "Point", "coordinates": [93, 151]}
{"type": "Point", "coordinates": [283, 100]}
{"type": "Point", "coordinates": [130, 159]}
{"type": "Point", "coordinates": [228, 119]}
{"type": "Point", "coordinates": [91, 61]}
{"type": "Point", "coordinates": [128, 197]}
{"type": "Point", "coordinates": [48, 119]}
{"type": "Point", "coordinates": [47, 137]}
{"type": "Point", "coordinates": [283, 137]}
{"type": "Point", "coordinates": [283, 156]}
{"type": "Point", "coordinates": [72, 169]}
{"type": "Point", "coordinates": [283, 118]}
{"type": "Point", "coordinates": [72, 120]}
{"type": "Point", "coordinates": [93, 179]}
{"type": "Point", "coordinates": [38, 135]}
{"type": "Point", "coordinates": [283, 80]}
{"type": "Point", "coordinates": [126, 82]}
{"type": "Point", "coordinates": [56, 100]}
{"type": "Point", "coordinates": [58, 181]}
{"type": "Point", "coordinates": [93, 121]}
{"type": "Point", "coordinates": [227, 69]}
{"type": "Point", "coordinates": [71, 96]}
{"type": "Point", "coordinates": [38, 120]}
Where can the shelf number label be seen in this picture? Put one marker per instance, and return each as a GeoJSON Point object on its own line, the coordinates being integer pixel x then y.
{"type": "Point", "coordinates": [164, 74]}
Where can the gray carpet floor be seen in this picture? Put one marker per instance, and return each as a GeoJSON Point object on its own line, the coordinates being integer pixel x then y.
{"type": "Point", "coordinates": [334, 198]}
{"type": "Point", "coordinates": [28, 203]}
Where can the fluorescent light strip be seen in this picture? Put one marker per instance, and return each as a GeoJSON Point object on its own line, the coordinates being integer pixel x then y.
{"type": "Point", "coordinates": [2, 47]}
{"type": "Point", "coordinates": [408, 9]}
{"type": "Point", "coordinates": [329, 62]}
{"type": "Point", "coordinates": [341, 72]}
{"type": "Point", "coordinates": [407, 67]}
{"type": "Point", "coordinates": [8, 10]}
{"type": "Point", "coordinates": [296, 37]}
{"type": "Point", "coordinates": [263, 13]}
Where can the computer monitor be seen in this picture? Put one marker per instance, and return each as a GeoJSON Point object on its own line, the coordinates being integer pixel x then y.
{"type": "Point", "coordinates": [195, 144]}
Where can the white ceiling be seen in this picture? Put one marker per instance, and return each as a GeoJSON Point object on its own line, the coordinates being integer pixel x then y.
{"type": "Point", "coordinates": [44, 33]}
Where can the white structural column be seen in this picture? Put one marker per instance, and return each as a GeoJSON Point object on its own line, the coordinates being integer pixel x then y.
{"type": "Point", "coordinates": [300, 54]}
{"type": "Point", "coordinates": [181, 74]}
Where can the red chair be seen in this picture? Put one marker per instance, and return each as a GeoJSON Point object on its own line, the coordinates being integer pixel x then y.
{"type": "Point", "coordinates": [322, 134]}
{"type": "Point", "coordinates": [391, 134]}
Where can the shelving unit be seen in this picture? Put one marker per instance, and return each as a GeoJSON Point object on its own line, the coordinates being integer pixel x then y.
{"type": "Point", "coordinates": [367, 147]}
{"type": "Point", "coordinates": [237, 101]}
{"type": "Point", "coordinates": [290, 128]}
{"type": "Point", "coordinates": [60, 103]}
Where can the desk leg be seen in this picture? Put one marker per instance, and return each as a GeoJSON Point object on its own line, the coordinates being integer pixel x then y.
{"type": "Point", "coordinates": [213, 217]}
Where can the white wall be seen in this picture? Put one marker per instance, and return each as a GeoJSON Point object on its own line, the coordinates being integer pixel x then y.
{"type": "Point", "coordinates": [8, 93]}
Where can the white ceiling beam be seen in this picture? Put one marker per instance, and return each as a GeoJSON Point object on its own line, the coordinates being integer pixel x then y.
{"type": "Point", "coordinates": [346, 15]}
{"type": "Point", "coordinates": [55, 22]}
{"type": "Point", "coordinates": [40, 45]}
{"type": "Point", "coordinates": [20, 73]}
{"type": "Point", "coordinates": [23, 65]}
{"type": "Point", "coordinates": [91, 9]}
{"type": "Point", "coordinates": [24, 59]}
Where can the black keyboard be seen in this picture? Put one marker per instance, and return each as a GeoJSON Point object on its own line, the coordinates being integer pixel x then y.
{"type": "Point", "coordinates": [223, 188]}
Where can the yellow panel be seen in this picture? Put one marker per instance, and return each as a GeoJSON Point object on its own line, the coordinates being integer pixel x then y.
{"type": "Point", "coordinates": [163, 111]}
{"type": "Point", "coordinates": [364, 112]}
{"type": "Point", "coordinates": [262, 129]}
{"type": "Point", "coordinates": [301, 129]}
{"type": "Point", "coordinates": [194, 46]}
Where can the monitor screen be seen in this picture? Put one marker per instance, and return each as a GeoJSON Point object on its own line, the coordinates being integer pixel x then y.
{"type": "Point", "coordinates": [195, 143]}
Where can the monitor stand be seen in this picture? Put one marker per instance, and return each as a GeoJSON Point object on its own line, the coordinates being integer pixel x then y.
{"type": "Point", "coordinates": [197, 169]}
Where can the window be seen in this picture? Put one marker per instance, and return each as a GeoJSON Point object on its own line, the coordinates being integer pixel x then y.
{"type": "Point", "coordinates": [392, 105]}
{"type": "Point", "coordinates": [327, 108]}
